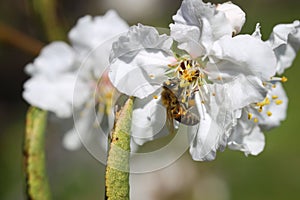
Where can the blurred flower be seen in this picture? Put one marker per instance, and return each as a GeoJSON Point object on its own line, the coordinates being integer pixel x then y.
{"type": "Point", "coordinates": [181, 180]}
{"type": "Point", "coordinates": [62, 70]}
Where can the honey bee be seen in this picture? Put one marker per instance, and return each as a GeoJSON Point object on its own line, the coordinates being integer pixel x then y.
{"type": "Point", "coordinates": [176, 109]}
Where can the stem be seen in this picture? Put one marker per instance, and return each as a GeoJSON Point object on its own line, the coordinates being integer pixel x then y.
{"type": "Point", "coordinates": [19, 39]}
{"type": "Point", "coordinates": [117, 169]}
{"type": "Point", "coordinates": [46, 9]}
{"type": "Point", "coordinates": [37, 187]}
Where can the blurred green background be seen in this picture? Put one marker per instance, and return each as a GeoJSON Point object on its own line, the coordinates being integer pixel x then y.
{"type": "Point", "coordinates": [76, 175]}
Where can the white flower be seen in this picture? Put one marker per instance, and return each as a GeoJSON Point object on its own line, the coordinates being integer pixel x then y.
{"type": "Point", "coordinates": [143, 65]}
{"type": "Point", "coordinates": [58, 84]}
{"type": "Point", "coordinates": [285, 40]}
{"type": "Point", "coordinates": [267, 114]}
{"type": "Point", "coordinates": [53, 79]}
{"type": "Point", "coordinates": [234, 14]}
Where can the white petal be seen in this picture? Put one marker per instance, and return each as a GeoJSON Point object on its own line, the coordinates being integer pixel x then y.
{"type": "Point", "coordinates": [71, 141]}
{"type": "Point", "coordinates": [257, 33]}
{"type": "Point", "coordinates": [211, 24]}
{"type": "Point", "coordinates": [242, 54]}
{"type": "Point", "coordinates": [90, 32]}
{"type": "Point", "coordinates": [247, 137]}
{"type": "Point", "coordinates": [54, 95]}
{"type": "Point", "coordinates": [139, 61]}
{"type": "Point", "coordinates": [285, 40]}
{"type": "Point", "coordinates": [148, 120]}
{"type": "Point", "coordinates": [234, 14]}
{"type": "Point", "coordinates": [209, 135]}
{"type": "Point", "coordinates": [55, 58]}
{"type": "Point", "coordinates": [279, 112]}
{"type": "Point", "coordinates": [244, 90]}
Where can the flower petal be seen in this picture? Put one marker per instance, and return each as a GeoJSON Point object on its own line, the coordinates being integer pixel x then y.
{"type": "Point", "coordinates": [54, 95]}
{"type": "Point", "coordinates": [89, 32]}
{"type": "Point", "coordinates": [54, 59]}
{"type": "Point", "coordinates": [139, 61]}
{"type": "Point", "coordinates": [203, 25]}
{"type": "Point", "coordinates": [209, 135]}
{"type": "Point", "coordinates": [235, 15]}
{"type": "Point", "coordinates": [242, 54]}
{"type": "Point", "coordinates": [285, 40]}
{"type": "Point", "coordinates": [247, 137]}
{"type": "Point", "coordinates": [148, 120]}
{"type": "Point", "coordinates": [278, 108]}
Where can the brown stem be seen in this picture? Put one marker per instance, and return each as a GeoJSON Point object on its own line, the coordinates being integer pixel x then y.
{"type": "Point", "coordinates": [18, 39]}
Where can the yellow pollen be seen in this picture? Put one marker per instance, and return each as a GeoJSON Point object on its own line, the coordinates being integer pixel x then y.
{"type": "Point", "coordinates": [183, 100]}
{"type": "Point", "coordinates": [264, 83]}
{"type": "Point", "coordinates": [192, 102]}
{"type": "Point", "coordinates": [255, 120]}
{"type": "Point", "coordinates": [155, 97]}
{"type": "Point", "coordinates": [219, 78]}
{"type": "Point", "coordinates": [151, 76]}
{"type": "Point", "coordinates": [274, 86]}
{"type": "Point", "coordinates": [167, 82]}
{"type": "Point", "coordinates": [269, 113]}
{"type": "Point", "coordinates": [202, 102]}
{"type": "Point", "coordinates": [274, 97]}
{"type": "Point", "coordinates": [260, 109]}
{"type": "Point", "coordinates": [250, 116]}
{"type": "Point", "coordinates": [214, 94]}
{"type": "Point", "coordinates": [284, 79]}
{"type": "Point", "coordinates": [267, 101]}
{"type": "Point", "coordinates": [278, 102]}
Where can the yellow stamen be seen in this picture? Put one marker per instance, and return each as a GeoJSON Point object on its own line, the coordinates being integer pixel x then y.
{"type": "Point", "coordinates": [260, 109]}
{"type": "Point", "coordinates": [284, 79]}
{"type": "Point", "coordinates": [278, 102]}
{"type": "Point", "coordinates": [255, 120]}
{"type": "Point", "coordinates": [167, 82]}
{"type": "Point", "coordinates": [274, 86]}
{"type": "Point", "coordinates": [155, 97]}
{"type": "Point", "coordinates": [151, 76]}
{"type": "Point", "coordinates": [250, 116]}
{"type": "Point", "coordinates": [192, 102]}
{"type": "Point", "coordinates": [219, 78]}
{"type": "Point", "coordinates": [267, 101]}
{"type": "Point", "coordinates": [269, 113]}
{"type": "Point", "coordinates": [274, 97]}
{"type": "Point", "coordinates": [264, 83]}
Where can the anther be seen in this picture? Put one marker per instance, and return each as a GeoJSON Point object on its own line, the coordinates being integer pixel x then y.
{"type": "Point", "coordinates": [278, 102]}
{"type": "Point", "coordinates": [284, 79]}
{"type": "Point", "coordinates": [250, 116]}
{"type": "Point", "coordinates": [151, 76]}
{"type": "Point", "coordinates": [274, 97]}
{"type": "Point", "coordinates": [255, 120]}
{"type": "Point", "coordinates": [269, 113]}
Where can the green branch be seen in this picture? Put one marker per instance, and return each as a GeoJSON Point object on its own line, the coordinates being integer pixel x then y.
{"type": "Point", "coordinates": [117, 170]}
{"type": "Point", "coordinates": [46, 10]}
{"type": "Point", "coordinates": [37, 187]}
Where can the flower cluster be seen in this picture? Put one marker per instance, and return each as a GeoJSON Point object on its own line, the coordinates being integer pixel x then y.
{"type": "Point", "coordinates": [207, 76]}
{"type": "Point", "coordinates": [225, 87]}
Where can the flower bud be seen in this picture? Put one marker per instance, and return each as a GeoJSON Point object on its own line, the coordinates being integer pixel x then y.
{"type": "Point", "coordinates": [234, 14]}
